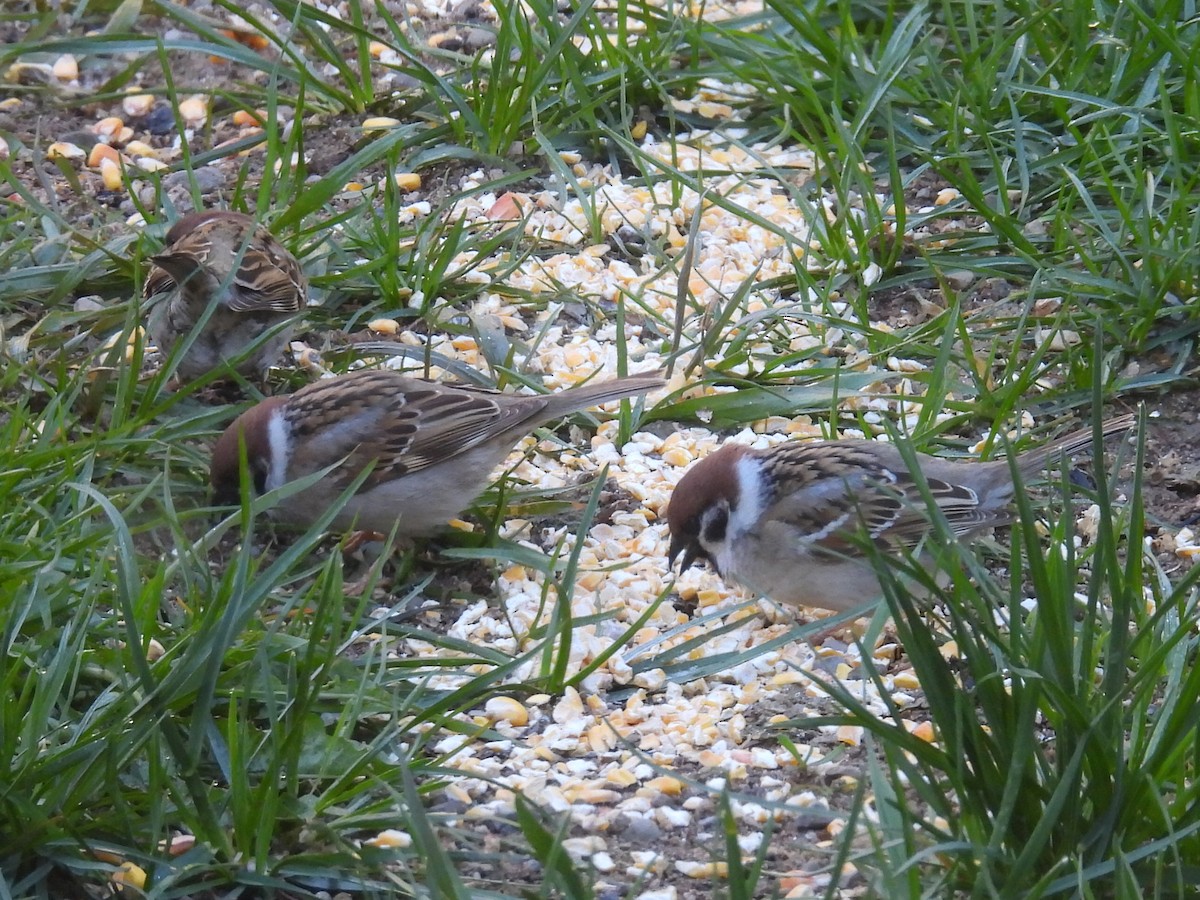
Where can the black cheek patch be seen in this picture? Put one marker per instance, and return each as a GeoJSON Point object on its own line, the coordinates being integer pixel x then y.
{"type": "Point", "coordinates": [259, 473]}
{"type": "Point", "coordinates": [716, 526]}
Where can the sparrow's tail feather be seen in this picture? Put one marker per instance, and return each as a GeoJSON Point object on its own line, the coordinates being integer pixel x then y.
{"type": "Point", "coordinates": [593, 394]}
{"type": "Point", "coordinates": [1034, 461]}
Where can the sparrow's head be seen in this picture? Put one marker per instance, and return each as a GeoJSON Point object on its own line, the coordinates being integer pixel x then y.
{"type": "Point", "coordinates": [254, 428]}
{"type": "Point", "coordinates": [188, 225]}
{"type": "Point", "coordinates": [700, 506]}
{"type": "Point", "coordinates": [186, 247]}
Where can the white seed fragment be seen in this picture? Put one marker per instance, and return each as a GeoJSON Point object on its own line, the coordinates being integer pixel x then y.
{"type": "Point", "coordinates": [569, 708]}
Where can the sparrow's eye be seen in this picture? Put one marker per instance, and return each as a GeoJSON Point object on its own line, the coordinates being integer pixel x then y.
{"type": "Point", "coordinates": [716, 521]}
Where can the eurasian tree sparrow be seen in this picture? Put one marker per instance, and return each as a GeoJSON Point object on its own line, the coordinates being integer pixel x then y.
{"type": "Point", "coordinates": [432, 446]}
{"type": "Point", "coordinates": [228, 262]}
{"type": "Point", "coordinates": [783, 521]}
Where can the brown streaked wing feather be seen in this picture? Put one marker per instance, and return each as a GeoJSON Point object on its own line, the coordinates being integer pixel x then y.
{"type": "Point", "coordinates": [453, 422]}
{"type": "Point", "coordinates": [827, 501]}
{"type": "Point", "coordinates": [400, 424]}
{"type": "Point", "coordinates": [342, 418]}
{"type": "Point", "coordinates": [846, 486]}
{"type": "Point", "coordinates": [958, 503]}
{"type": "Point", "coordinates": [268, 279]}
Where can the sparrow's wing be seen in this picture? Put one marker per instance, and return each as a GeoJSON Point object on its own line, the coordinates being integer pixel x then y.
{"type": "Point", "coordinates": [447, 421]}
{"type": "Point", "coordinates": [268, 279]}
{"type": "Point", "coordinates": [400, 425]}
{"type": "Point", "coordinates": [850, 489]}
{"type": "Point", "coordinates": [158, 281]}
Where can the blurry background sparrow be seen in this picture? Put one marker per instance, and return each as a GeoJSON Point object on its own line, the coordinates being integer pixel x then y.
{"type": "Point", "coordinates": [227, 263]}
{"type": "Point", "coordinates": [784, 521]}
{"type": "Point", "coordinates": [433, 445]}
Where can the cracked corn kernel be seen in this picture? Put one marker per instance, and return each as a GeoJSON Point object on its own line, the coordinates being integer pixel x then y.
{"type": "Point", "coordinates": [601, 738]}
{"type": "Point", "coordinates": [379, 123]}
{"type": "Point", "coordinates": [66, 68]}
{"type": "Point", "coordinates": [621, 778]}
{"type": "Point", "coordinates": [666, 785]}
{"type": "Point", "coordinates": [384, 326]}
{"type": "Point", "coordinates": [101, 152]}
{"type": "Point", "coordinates": [64, 150]}
{"type": "Point", "coordinates": [850, 734]}
{"type": "Point", "coordinates": [179, 844]}
{"type": "Point", "coordinates": [788, 676]}
{"type": "Point", "coordinates": [129, 875]}
{"type": "Point", "coordinates": [390, 839]}
{"type": "Point", "coordinates": [906, 681]}
{"type": "Point", "coordinates": [194, 110]}
{"type": "Point", "coordinates": [137, 105]}
{"type": "Point", "coordinates": [407, 181]}
{"type": "Point", "coordinates": [678, 457]}
{"type": "Point", "coordinates": [245, 118]}
{"type": "Point", "coordinates": [141, 148]}
{"type": "Point", "coordinates": [715, 869]}
{"type": "Point", "coordinates": [507, 709]}
{"type": "Point", "coordinates": [108, 127]}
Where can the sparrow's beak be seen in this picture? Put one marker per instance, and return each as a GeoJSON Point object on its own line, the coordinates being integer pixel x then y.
{"type": "Point", "coordinates": [680, 544]}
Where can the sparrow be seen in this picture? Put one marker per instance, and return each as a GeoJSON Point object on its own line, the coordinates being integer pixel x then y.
{"type": "Point", "coordinates": [787, 521]}
{"type": "Point", "coordinates": [222, 280]}
{"type": "Point", "coordinates": [431, 446]}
